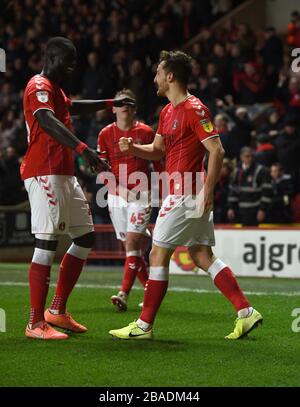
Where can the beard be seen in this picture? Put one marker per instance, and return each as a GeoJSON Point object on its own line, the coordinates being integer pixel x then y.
{"type": "Point", "coordinates": [161, 91]}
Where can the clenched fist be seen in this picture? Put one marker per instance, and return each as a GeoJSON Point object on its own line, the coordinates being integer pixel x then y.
{"type": "Point", "coordinates": [125, 144]}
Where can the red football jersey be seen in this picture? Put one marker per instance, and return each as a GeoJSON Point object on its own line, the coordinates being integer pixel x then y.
{"type": "Point", "coordinates": [45, 155]}
{"type": "Point", "coordinates": [108, 146]}
{"type": "Point", "coordinates": [184, 128]}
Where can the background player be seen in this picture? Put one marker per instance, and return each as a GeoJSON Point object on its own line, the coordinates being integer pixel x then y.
{"type": "Point", "coordinates": [130, 219]}
{"type": "Point", "coordinates": [58, 205]}
{"type": "Point", "coordinates": [184, 134]}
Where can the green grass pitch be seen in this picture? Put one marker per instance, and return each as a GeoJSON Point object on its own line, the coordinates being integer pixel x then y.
{"type": "Point", "coordinates": [189, 348]}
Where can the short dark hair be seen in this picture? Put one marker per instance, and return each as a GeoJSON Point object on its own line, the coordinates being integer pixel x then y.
{"type": "Point", "coordinates": [278, 165]}
{"type": "Point", "coordinates": [246, 150]}
{"type": "Point", "coordinates": [179, 63]}
{"type": "Point", "coordinates": [59, 44]}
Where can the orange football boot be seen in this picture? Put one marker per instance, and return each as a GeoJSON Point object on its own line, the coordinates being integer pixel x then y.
{"type": "Point", "coordinates": [64, 321]}
{"type": "Point", "coordinates": [44, 331]}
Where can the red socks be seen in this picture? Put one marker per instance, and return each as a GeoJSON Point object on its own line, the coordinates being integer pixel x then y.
{"type": "Point", "coordinates": [226, 282]}
{"type": "Point", "coordinates": [154, 294]}
{"type": "Point", "coordinates": [39, 277]}
{"type": "Point", "coordinates": [69, 273]}
{"type": "Point", "coordinates": [155, 291]}
{"type": "Point", "coordinates": [142, 273]}
{"type": "Point", "coordinates": [134, 266]}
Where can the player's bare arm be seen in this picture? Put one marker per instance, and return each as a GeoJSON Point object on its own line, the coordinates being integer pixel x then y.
{"type": "Point", "coordinates": [56, 129]}
{"type": "Point", "coordinates": [91, 106]}
{"type": "Point", "coordinates": [215, 160]}
{"type": "Point", "coordinates": [154, 151]}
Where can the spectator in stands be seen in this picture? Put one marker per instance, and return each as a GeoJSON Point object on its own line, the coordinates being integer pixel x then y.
{"type": "Point", "coordinates": [273, 126]}
{"type": "Point", "coordinates": [96, 80]}
{"type": "Point", "coordinates": [288, 148]}
{"type": "Point", "coordinates": [221, 123]}
{"type": "Point", "coordinates": [221, 193]}
{"type": "Point", "coordinates": [12, 190]}
{"type": "Point", "coordinates": [246, 41]}
{"type": "Point", "coordinates": [189, 21]}
{"type": "Point", "coordinates": [249, 84]}
{"type": "Point", "coordinates": [265, 153]}
{"type": "Point", "coordinates": [101, 119]}
{"type": "Point", "coordinates": [194, 82]}
{"type": "Point", "coordinates": [283, 191]}
{"type": "Point", "coordinates": [215, 83]}
{"type": "Point", "coordinates": [237, 61]}
{"type": "Point", "coordinates": [243, 128]}
{"type": "Point", "coordinates": [221, 61]}
{"type": "Point", "coordinates": [137, 80]}
{"type": "Point", "coordinates": [288, 92]}
{"type": "Point", "coordinates": [229, 32]}
{"type": "Point", "coordinates": [293, 38]}
{"type": "Point", "coordinates": [250, 191]}
{"type": "Point", "coordinates": [240, 134]}
{"type": "Point", "coordinates": [271, 53]}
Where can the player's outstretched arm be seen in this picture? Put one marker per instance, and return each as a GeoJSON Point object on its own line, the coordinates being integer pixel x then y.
{"type": "Point", "coordinates": [91, 106]}
{"type": "Point", "coordinates": [56, 129]}
{"type": "Point", "coordinates": [215, 161]}
{"type": "Point", "coordinates": [154, 151]}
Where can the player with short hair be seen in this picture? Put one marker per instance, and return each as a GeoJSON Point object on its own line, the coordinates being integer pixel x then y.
{"type": "Point", "coordinates": [58, 205]}
{"type": "Point", "coordinates": [185, 132]}
{"type": "Point", "coordinates": [130, 217]}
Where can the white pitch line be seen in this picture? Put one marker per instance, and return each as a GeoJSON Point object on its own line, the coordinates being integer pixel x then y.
{"type": "Point", "coordinates": [175, 289]}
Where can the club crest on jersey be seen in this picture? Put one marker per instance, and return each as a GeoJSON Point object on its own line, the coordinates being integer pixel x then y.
{"type": "Point", "coordinates": [207, 125]}
{"type": "Point", "coordinates": [175, 124]}
{"type": "Point", "coordinates": [42, 96]}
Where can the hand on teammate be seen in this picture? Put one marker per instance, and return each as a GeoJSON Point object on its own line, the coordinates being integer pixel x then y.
{"type": "Point", "coordinates": [125, 101]}
{"type": "Point", "coordinates": [126, 144]}
{"type": "Point", "coordinates": [95, 163]}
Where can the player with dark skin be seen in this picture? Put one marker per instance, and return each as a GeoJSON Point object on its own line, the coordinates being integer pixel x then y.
{"type": "Point", "coordinates": [46, 121]}
{"type": "Point", "coordinates": [60, 63]}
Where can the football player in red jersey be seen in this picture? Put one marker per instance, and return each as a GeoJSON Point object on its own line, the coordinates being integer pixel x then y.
{"type": "Point", "coordinates": [185, 132]}
{"type": "Point", "coordinates": [58, 205]}
{"type": "Point", "coordinates": [129, 217]}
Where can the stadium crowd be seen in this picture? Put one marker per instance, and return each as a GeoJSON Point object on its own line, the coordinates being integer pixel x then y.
{"type": "Point", "coordinates": [118, 46]}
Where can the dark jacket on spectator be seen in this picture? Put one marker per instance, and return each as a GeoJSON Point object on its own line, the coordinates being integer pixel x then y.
{"type": "Point", "coordinates": [283, 191]}
{"type": "Point", "coordinates": [288, 151]}
{"type": "Point", "coordinates": [249, 191]}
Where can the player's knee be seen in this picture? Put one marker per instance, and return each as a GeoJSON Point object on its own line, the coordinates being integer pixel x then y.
{"type": "Point", "coordinates": [134, 241]}
{"type": "Point", "coordinates": [160, 256]}
{"type": "Point", "coordinates": [87, 240]}
{"type": "Point", "coordinates": [45, 249]}
{"type": "Point", "coordinates": [202, 256]}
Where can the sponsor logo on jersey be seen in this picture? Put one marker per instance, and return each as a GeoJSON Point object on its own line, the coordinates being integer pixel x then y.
{"type": "Point", "coordinates": [207, 125]}
{"type": "Point", "coordinates": [42, 96]}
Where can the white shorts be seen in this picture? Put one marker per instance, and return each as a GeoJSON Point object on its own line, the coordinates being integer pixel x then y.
{"type": "Point", "coordinates": [58, 206]}
{"type": "Point", "coordinates": [177, 224]}
{"type": "Point", "coordinates": [128, 216]}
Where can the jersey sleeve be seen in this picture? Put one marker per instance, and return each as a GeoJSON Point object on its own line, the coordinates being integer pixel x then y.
{"type": "Point", "coordinates": [201, 123]}
{"type": "Point", "coordinates": [159, 131]}
{"type": "Point", "coordinates": [148, 135]}
{"type": "Point", "coordinates": [101, 145]}
{"type": "Point", "coordinates": [40, 96]}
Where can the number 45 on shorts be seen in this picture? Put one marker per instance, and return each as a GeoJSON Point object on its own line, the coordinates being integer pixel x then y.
{"type": "Point", "coordinates": [137, 218]}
